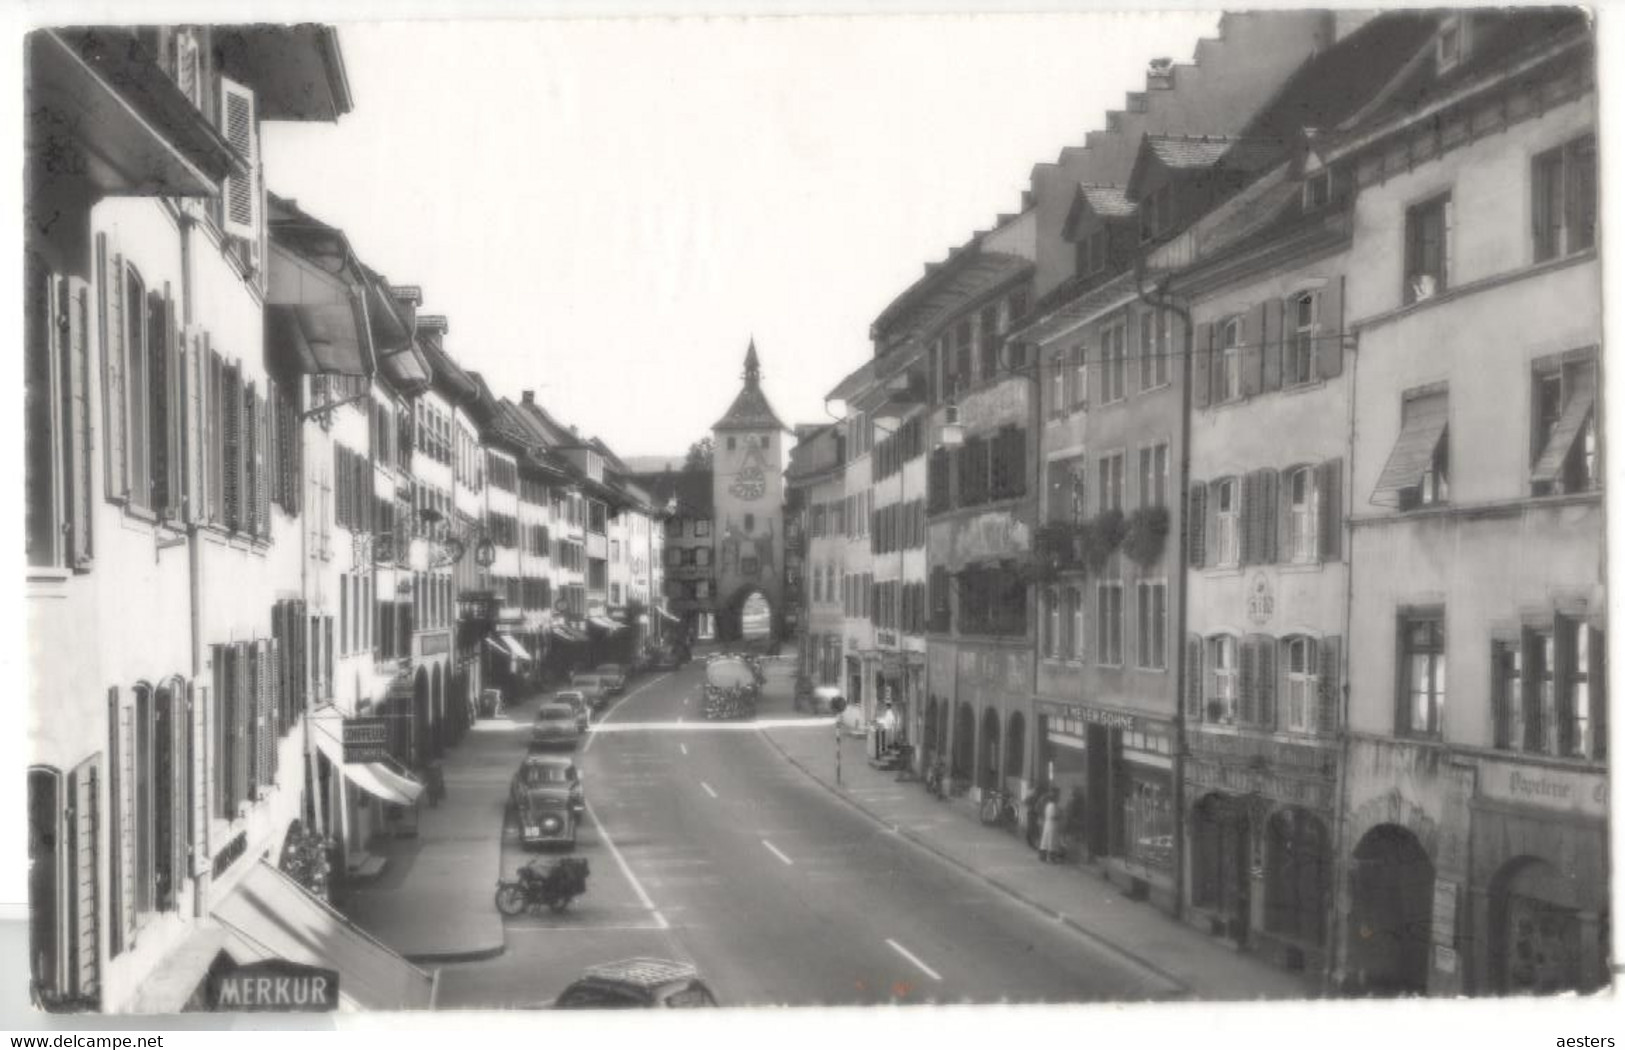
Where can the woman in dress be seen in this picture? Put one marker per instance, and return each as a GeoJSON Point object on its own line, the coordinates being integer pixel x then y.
{"type": "Point", "coordinates": [1052, 827]}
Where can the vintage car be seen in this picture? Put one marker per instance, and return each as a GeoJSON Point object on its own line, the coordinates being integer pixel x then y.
{"type": "Point", "coordinates": [547, 799]}
{"type": "Point", "coordinates": [591, 685]}
{"type": "Point", "coordinates": [613, 676]}
{"type": "Point", "coordinates": [578, 701]}
{"type": "Point", "coordinates": [635, 984]}
{"type": "Point", "coordinates": [555, 726]}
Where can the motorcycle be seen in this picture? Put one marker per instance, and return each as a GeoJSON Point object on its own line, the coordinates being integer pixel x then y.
{"type": "Point", "coordinates": [554, 887]}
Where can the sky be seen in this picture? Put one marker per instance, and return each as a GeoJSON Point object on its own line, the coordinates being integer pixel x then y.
{"type": "Point", "coordinates": [608, 211]}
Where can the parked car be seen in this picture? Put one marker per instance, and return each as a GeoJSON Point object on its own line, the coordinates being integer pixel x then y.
{"type": "Point", "coordinates": [555, 726]}
{"type": "Point", "coordinates": [637, 983]}
{"type": "Point", "coordinates": [613, 676]}
{"type": "Point", "coordinates": [591, 685]}
{"type": "Point", "coordinates": [578, 702]}
{"type": "Point", "coordinates": [548, 799]}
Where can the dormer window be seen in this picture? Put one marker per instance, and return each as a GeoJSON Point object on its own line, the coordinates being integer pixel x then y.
{"type": "Point", "coordinates": [1453, 42]}
{"type": "Point", "coordinates": [1317, 190]}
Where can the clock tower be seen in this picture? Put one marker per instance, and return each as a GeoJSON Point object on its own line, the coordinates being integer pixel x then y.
{"type": "Point", "coordinates": [747, 480]}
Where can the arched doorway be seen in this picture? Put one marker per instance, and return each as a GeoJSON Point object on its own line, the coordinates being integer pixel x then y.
{"type": "Point", "coordinates": [964, 742]}
{"type": "Point", "coordinates": [417, 737]}
{"type": "Point", "coordinates": [1391, 917]}
{"type": "Point", "coordinates": [1221, 837]}
{"type": "Point", "coordinates": [1015, 746]}
{"type": "Point", "coordinates": [437, 705]}
{"type": "Point", "coordinates": [1536, 940]}
{"type": "Point", "coordinates": [1297, 876]}
{"type": "Point", "coordinates": [987, 770]}
{"type": "Point", "coordinates": [748, 617]}
{"type": "Point", "coordinates": [928, 743]}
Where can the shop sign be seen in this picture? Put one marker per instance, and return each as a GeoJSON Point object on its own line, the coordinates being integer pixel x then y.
{"type": "Point", "coordinates": [891, 665]}
{"type": "Point", "coordinates": [275, 985]}
{"type": "Point", "coordinates": [365, 740]}
{"type": "Point", "coordinates": [1092, 715]}
{"type": "Point", "coordinates": [434, 644]}
{"type": "Point", "coordinates": [1572, 792]}
{"type": "Point", "coordinates": [1260, 600]}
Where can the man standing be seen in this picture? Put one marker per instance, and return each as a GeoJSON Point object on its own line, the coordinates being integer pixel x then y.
{"type": "Point", "coordinates": [1052, 827]}
{"type": "Point", "coordinates": [885, 729]}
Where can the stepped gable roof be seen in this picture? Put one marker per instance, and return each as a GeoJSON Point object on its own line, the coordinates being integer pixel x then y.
{"type": "Point", "coordinates": [750, 409]}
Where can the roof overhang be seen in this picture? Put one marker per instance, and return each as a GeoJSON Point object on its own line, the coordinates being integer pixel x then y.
{"type": "Point", "coordinates": [98, 106]}
{"type": "Point", "coordinates": [405, 369]}
{"type": "Point", "coordinates": [297, 71]}
{"type": "Point", "coordinates": [932, 301]}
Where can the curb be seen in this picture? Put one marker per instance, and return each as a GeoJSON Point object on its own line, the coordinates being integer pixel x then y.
{"type": "Point", "coordinates": [471, 955]}
{"type": "Point", "coordinates": [1180, 988]}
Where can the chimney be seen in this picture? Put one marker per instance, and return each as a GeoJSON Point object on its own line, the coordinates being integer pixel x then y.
{"type": "Point", "coordinates": [527, 397]}
{"type": "Point", "coordinates": [1160, 74]}
{"type": "Point", "coordinates": [433, 323]}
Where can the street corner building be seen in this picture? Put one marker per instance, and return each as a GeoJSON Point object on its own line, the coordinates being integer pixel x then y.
{"type": "Point", "coordinates": [1260, 455]}
{"type": "Point", "coordinates": [273, 543]}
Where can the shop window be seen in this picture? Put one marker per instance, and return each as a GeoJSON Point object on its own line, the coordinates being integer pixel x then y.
{"type": "Point", "coordinates": [1422, 674]}
{"type": "Point", "coordinates": [1297, 891]}
{"type": "Point", "coordinates": [1148, 823]}
{"type": "Point", "coordinates": [1220, 707]}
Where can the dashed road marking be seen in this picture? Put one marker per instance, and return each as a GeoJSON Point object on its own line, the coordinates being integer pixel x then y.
{"type": "Point", "coordinates": [776, 852]}
{"type": "Point", "coordinates": [684, 748]}
{"type": "Point", "coordinates": [708, 789]}
{"type": "Point", "coordinates": [911, 957]}
{"type": "Point", "coordinates": [626, 869]}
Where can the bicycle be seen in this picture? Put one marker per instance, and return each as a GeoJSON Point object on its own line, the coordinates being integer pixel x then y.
{"type": "Point", "coordinates": [998, 809]}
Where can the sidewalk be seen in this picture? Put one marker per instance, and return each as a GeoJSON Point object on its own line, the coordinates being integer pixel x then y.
{"type": "Point", "coordinates": [1204, 967]}
{"type": "Point", "coordinates": [433, 901]}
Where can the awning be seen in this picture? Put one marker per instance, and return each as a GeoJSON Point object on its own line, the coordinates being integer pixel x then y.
{"type": "Point", "coordinates": [321, 338]}
{"type": "Point", "coordinates": [604, 623]}
{"type": "Point", "coordinates": [375, 778]}
{"type": "Point", "coordinates": [514, 647]}
{"type": "Point", "coordinates": [567, 634]}
{"type": "Point", "coordinates": [1581, 401]}
{"type": "Point", "coordinates": [667, 615]}
{"type": "Point", "coordinates": [1425, 420]}
{"type": "Point", "coordinates": [270, 916]}
{"type": "Point", "coordinates": [166, 988]}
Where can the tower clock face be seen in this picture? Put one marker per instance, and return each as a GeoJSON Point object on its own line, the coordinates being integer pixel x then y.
{"type": "Point", "coordinates": [750, 481]}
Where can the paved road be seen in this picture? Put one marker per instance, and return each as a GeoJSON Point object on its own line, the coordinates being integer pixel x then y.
{"type": "Point", "coordinates": [706, 845]}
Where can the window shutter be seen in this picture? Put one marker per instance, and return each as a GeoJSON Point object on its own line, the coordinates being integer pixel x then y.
{"type": "Point", "coordinates": [220, 731]}
{"type": "Point", "coordinates": [1252, 352]}
{"type": "Point", "coordinates": [1250, 502]}
{"type": "Point", "coordinates": [86, 878]}
{"type": "Point", "coordinates": [1273, 341]}
{"type": "Point", "coordinates": [1193, 679]}
{"type": "Point", "coordinates": [1329, 492]}
{"type": "Point", "coordinates": [1131, 365]}
{"type": "Point", "coordinates": [123, 722]}
{"type": "Point", "coordinates": [249, 425]}
{"type": "Point", "coordinates": [1329, 329]}
{"type": "Point", "coordinates": [1269, 517]}
{"type": "Point", "coordinates": [74, 328]}
{"type": "Point", "coordinates": [273, 445]}
{"type": "Point", "coordinates": [171, 442]}
{"type": "Point", "coordinates": [244, 742]}
{"type": "Point", "coordinates": [1265, 681]}
{"type": "Point", "coordinates": [1196, 524]}
{"type": "Point", "coordinates": [1598, 650]}
{"type": "Point", "coordinates": [188, 69]}
{"type": "Point", "coordinates": [240, 205]}
{"type": "Point", "coordinates": [218, 443]}
{"type": "Point", "coordinates": [194, 425]}
{"type": "Point", "coordinates": [202, 773]}
{"type": "Point", "coordinates": [180, 779]}
{"type": "Point", "coordinates": [1329, 664]}
{"type": "Point", "coordinates": [265, 713]}
{"type": "Point", "coordinates": [1201, 366]}
{"type": "Point", "coordinates": [1210, 522]}
{"type": "Point", "coordinates": [115, 409]}
{"type": "Point", "coordinates": [231, 419]}
{"type": "Point", "coordinates": [1247, 687]}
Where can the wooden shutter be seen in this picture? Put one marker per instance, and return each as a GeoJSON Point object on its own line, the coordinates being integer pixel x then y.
{"type": "Point", "coordinates": [180, 780]}
{"type": "Point", "coordinates": [202, 775]}
{"type": "Point", "coordinates": [1264, 682]}
{"type": "Point", "coordinates": [1598, 651]}
{"type": "Point", "coordinates": [1250, 502]}
{"type": "Point", "coordinates": [1196, 524]}
{"type": "Point", "coordinates": [193, 424]}
{"type": "Point", "coordinates": [115, 406]}
{"type": "Point", "coordinates": [231, 421]}
{"type": "Point", "coordinates": [217, 437]}
{"type": "Point", "coordinates": [1193, 679]}
{"type": "Point", "coordinates": [1201, 366]}
{"type": "Point", "coordinates": [171, 441]}
{"type": "Point", "coordinates": [121, 720]}
{"type": "Point", "coordinates": [1247, 686]}
{"type": "Point", "coordinates": [243, 703]}
{"type": "Point", "coordinates": [264, 695]}
{"type": "Point", "coordinates": [1272, 338]}
{"type": "Point", "coordinates": [1210, 521]}
{"type": "Point", "coordinates": [1329, 665]}
{"type": "Point", "coordinates": [262, 467]}
{"type": "Point", "coordinates": [73, 297]}
{"type": "Point", "coordinates": [1269, 517]}
{"type": "Point", "coordinates": [1252, 351]}
{"type": "Point", "coordinates": [85, 840]}
{"type": "Point", "coordinates": [222, 728]}
{"type": "Point", "coordinates": [273, 446]}
{"type": "Point", "coordinates": [1329, 491]}
{"type": "Point", "coordinates": [239, 195]}
{"type": "Point", "coordinates": [188, 68]}
{"type": "Point", "coordinates": [1329, 329]}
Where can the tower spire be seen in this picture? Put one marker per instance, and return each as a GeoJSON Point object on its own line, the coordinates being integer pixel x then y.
{"type": "Point", "coordinates": [753, 365]}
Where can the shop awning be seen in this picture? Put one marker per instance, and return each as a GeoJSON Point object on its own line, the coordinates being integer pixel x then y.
{"type": "Point", "coordinates": [375, 778]}
{"type": "Point", "coordinates": [1425, 420]}
{"type": "Point", "coordinates": [567, 634]}
{"type": "Point", "coordinates": [667, 615]}
{"type": "Point", "coordinates": [1568, 428]}
{"type": "Point", "coordinates": [329, 338]}
{"type": "Point", "coordinates": [270, 916]}
{"type": "Point", "coordinates": [519, 651]}
{"type": "Point", "coordinates": [604, 623]}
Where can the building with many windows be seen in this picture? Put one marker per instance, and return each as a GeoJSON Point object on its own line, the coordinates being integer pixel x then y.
{"type": "Point", "coordinates": [815, 481]}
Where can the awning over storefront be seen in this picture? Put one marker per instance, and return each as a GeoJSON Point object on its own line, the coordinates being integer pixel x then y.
{"type": "Point", "coordinates": [375, 778]}
{"type": "Point", "coordinates": [604, 623]}
{"type": "Point", "coordinates": [508, 646]}
{"type": "Point", "coordinates": [1425, 419]}
{"type": "Point", "coordinates": [567, 634]}
{"type": "Point", "coordinates": [667, 615]}
{"type": "Point", "coordinates": [270, 916]}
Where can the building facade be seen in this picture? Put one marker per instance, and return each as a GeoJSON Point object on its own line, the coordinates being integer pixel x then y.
{"type": "Point", "coordinates": [747, 497]}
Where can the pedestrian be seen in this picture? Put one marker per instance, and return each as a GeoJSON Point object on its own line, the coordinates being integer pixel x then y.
{"type": "Point", "coordinates": [887, 728]}
{"type": "Point", "coordinates": [1052, 827]}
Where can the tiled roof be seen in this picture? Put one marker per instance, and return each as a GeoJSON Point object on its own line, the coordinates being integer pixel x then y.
{"type": "Point", "coordinates": [1109, 202]}
{"type": "Point", "coordinates": [750, 411]}
{"type": "Point", "coordinates": [1205, 151]}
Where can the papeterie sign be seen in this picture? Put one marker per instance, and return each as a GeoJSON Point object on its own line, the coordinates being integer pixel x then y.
{"type": "Point", "coordinates": [366, 739]}
{"type": "Point", "coordinates": [1559, 789]}
{"type": "Point", "coordinates": [275, 985]}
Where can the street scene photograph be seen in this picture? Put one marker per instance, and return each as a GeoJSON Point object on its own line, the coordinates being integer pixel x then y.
{"type": "Point", "coordinates": [668, 512]}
